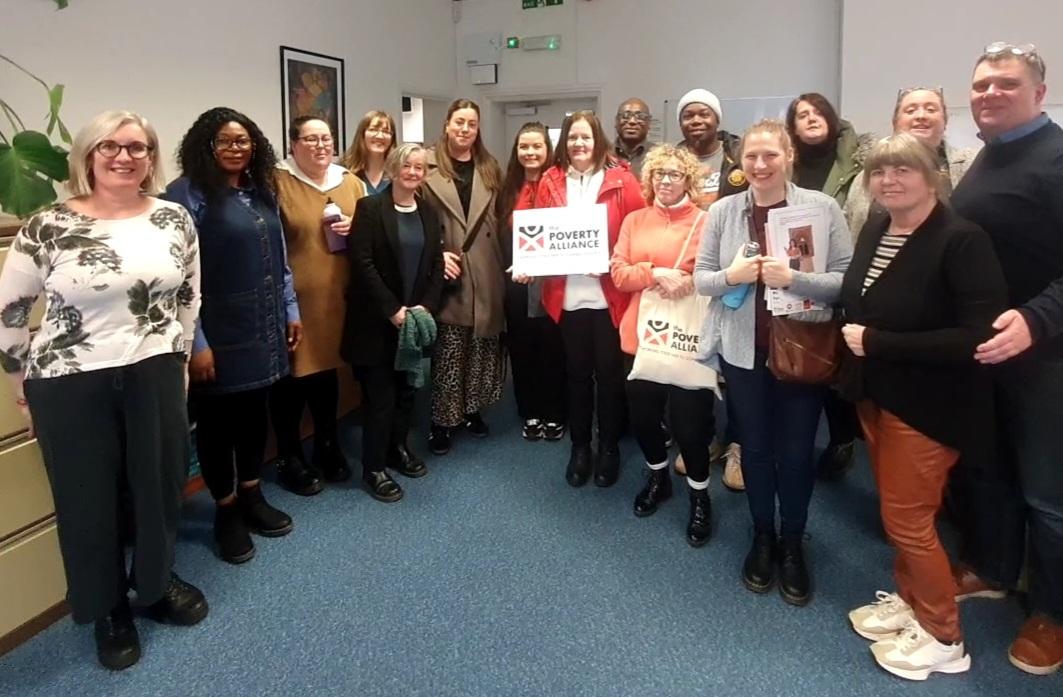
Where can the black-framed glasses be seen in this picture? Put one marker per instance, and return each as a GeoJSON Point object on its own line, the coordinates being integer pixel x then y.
{"type": "Point", "coordinates": [136, 150]}
{"type": "Point", "coordinates": [316, 141]}
{"type": "Point", "coordinates": [670, 175]}
{"type": "Point", "coordinates": [242, 144]}
{"type": "Point", "coordinates": [634, 116]}
{"type": "Point", "coordinates": [1027, 52]}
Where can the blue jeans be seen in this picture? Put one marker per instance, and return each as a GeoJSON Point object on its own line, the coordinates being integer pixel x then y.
{"type": "Point", "coordinates": [1031, 410]}
{"type": "Point", "coordinates": [776, 423]}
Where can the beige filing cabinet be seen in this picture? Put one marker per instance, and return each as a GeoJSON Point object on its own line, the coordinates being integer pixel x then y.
{"type": "Point", "coordinates": [32, 580]}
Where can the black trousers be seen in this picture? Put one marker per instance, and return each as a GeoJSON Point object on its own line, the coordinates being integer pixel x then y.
{"type": "Point", "coordinates": [537, 356]}
{"type": "Point", "coordinates": [96, 429]}
{"type": "Point", "coordinates": [842, 422]}
{"type": "Point", "coordinates": [288, 397]}
{"type": "Point", "coordinates": [690, 418]}
{"type": "Point", "coordinates": [231, 432]}
{"type": "Point", "coordinates": [387, 403]}
{"type": "Point", "coordinates": [595, 368]}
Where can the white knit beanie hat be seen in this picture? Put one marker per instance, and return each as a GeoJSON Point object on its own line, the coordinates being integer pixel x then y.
{"type": "Point", "coordinates": [699, 96]}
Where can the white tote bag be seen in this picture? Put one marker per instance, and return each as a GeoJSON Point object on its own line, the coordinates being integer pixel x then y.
{"type": "Point", "coordinates": [668, 333]}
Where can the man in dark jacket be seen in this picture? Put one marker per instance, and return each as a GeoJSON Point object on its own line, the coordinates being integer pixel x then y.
{"type": "Point", "coordinates": [632, 130]}
{"type": "Point", "coordinates": [700, 116]}
{"type": "Point", "coordinates": [1014, 189]}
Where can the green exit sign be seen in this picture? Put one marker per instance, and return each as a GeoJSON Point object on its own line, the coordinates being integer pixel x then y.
{"type": "Point", "coordinates": [533, 4]}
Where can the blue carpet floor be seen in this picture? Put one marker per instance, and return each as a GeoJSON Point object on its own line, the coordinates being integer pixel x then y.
{"type": "Point", "coordinates": [494, 577]}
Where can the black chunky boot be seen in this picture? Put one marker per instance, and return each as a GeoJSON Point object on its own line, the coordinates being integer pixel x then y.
{"type": "Point", "coordinates": [758, 571]}
{"type": "Point", "coordinates": [181, 604]}
{"type": "Point", "coordinates": [699, 530]}
{"type": "Point", "coordinates": [231, 534]}
{"type": "Point", "coordinates": [259, 516]}
{"type": "Point", "coordinates": [794, 584]}
{"type": "Point", "coordinates": [579, 465]}
{"type": "Point", "coordinates": [405, 462]}
{"type": "Point", "coordinates": [117, 641]}
{"type": "Point", "coordinates": [607, 467]}
{"type": "Point", "coordinates": [298, 477]}
{"type": "Point", "coordinates": [658, 488]}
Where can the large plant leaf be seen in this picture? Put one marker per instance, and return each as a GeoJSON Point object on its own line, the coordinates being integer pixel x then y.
{"type": "Point", "coordinates": [55, 101]}
{"type": "Point", "coordinates": [28, 167]}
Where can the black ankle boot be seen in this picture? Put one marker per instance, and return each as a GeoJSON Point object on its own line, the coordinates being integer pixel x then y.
{"type": "Point", "coordinates": [117, 641]}
{"type": "Point", "coordinates": [699, 530]}
{"type": "Point", "coordinates": [259, 516]}
{"type": "Point", "coordinates": [298, 477]}
{"type": "Point", "coordinates": [579, 465]}
{"type": "Point", "coordinates": [658, 488]}
{"type": "Point", "coordinates": [794, 584]}
{"type": "Point", "coordinates": [231, 534]}
{"type": "Point", "coordinates": [182, 604]}
{"type": "Point", "coordinates": [758, 571]}
{"type": "Point", "coordinates": [607, 467]}
{"type": "Point", "coordinates": [439, 440]}
{"type": "Point", "coordinates": [381, 486]}
{"type": "Point", "coordinates": [330, 461]}
{"type": "Point", "coordinates": [405, 462]}
{"type": "Point", "coordinates": [835, 461]}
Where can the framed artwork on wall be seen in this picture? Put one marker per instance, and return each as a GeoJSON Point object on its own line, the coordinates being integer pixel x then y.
{"type": "Point", "coordinates": [312, 85]}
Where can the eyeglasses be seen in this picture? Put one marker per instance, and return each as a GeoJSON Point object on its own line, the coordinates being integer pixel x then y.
{"type": "Point", "coordinates": [316, 141]}
{"type": "Point", "coordinates": [135, 150]}
{"type": "Point", "coordinates": [242, 144]}
{"type": "Point", "coordinates": [633, 116]}
{"type": "Point", "coordinates": [670, 175]}
{"type": "Point", "coordinates": [378, 131]}
{"type": "Point", "coordinates": [1027, 52]}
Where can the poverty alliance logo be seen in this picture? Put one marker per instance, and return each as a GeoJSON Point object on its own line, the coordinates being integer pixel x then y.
{"type": "Point", "coordinates": [530, 238]}
{"type": "Point", "coordinates": [656, 332]}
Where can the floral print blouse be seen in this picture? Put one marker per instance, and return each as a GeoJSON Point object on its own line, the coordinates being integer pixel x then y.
{"type": "Point", "coordinates": [116, 291]}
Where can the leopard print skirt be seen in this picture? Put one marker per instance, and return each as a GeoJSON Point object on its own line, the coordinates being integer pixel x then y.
{"type": "Point", "coordinates": [467, 374]}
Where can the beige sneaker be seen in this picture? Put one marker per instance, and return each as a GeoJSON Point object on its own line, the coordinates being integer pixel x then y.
{"type": "Point", "coordinates": [732, 468]}
{"type": "Point", "coordinates": [914, 654]}
{"type": "Point", "coordinates": [882, 619]}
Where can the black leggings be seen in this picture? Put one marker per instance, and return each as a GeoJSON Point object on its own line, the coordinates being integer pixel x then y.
{"type": "Point", "coordinates": [319, 391]}
{"type": "Point", "coordinates": [690, 418]}
{"type": "Point", "coordinates": [230, 427]}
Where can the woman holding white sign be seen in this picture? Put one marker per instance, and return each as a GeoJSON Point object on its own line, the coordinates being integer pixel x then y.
{"type": "Point", "coordinates": [589, 306]}
{"type": "Point", "coordinates": [654, 261]}
{"type": "Point", "coordinates": [536, 349]}
{"type": "Point", "coordinates": [776, 419]}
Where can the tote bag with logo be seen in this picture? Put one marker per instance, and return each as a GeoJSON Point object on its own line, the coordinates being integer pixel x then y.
{"type": "Point", "coordinates": [668, 333]}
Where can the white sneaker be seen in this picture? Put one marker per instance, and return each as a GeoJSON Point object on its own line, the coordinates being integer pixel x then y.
{"type": "Point", "coordinates": [914, 654]}
{"type": "Point", "coordinates": [732, 468]}
{"type": "Point", "coordinates": [882, 619]}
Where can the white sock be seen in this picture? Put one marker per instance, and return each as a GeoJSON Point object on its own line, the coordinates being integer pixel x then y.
{"type": "Point", "coordinates": [698, 486]}
{"type": "Point", "coordinates": [658, 466]}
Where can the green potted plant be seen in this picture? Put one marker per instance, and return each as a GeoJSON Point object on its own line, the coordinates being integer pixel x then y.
{"type": "Point", "coordinates": [30, 163]}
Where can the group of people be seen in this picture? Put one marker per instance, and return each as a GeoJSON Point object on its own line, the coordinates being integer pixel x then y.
{"type": "Point", "coordinates": [941, 273]}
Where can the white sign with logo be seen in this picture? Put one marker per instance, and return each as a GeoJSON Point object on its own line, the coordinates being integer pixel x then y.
{"type": "Point", "coordinates": [561, 241]}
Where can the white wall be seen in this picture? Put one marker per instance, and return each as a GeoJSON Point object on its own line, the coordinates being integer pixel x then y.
{"type": "Point", "coordinates": [880, 56]}
{"type": "Point", "coordinates": [171, 61]}
{"type": "Point", "coordinates": [658, 49]}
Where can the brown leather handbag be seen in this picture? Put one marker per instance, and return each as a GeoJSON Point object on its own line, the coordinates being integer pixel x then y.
{"type": "Point", "coordinates": [805, 352]}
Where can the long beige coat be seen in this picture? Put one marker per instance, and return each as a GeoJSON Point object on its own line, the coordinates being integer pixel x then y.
{"type": "Point", "coordinates": [478, 301]}
{"type": "Point", "coordinates": [320, 277]}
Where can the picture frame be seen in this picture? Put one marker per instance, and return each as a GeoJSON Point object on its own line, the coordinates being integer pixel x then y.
{"type": "Point", "coordinates": [313, 84]}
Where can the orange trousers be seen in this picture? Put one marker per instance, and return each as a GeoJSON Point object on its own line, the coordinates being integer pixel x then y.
{"type": "Point", "coordinates": [912, 470]}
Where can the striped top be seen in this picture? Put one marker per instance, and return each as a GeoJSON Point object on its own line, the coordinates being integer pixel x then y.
{"type": "Point", "coordinates": [887, 249]}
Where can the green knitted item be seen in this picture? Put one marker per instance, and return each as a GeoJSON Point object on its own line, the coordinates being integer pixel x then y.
{"type": "Point", "coordinates": [416, 334]}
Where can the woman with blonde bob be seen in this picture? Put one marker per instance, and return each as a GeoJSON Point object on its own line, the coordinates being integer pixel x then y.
{"type": "Point", "coordinates": [776, 420]}
{"type": "Point", "coordinates": [921, 293]}
{"type": "Point", "coordinates": [374, 139]}
{"type": "Point", "coordinates": [102, 383]}
{"type": "Point", "coordinates": [655, 253]}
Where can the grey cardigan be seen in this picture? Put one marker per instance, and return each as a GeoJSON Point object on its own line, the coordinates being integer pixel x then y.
{"type": "Point", "coordinates": [730, 333]}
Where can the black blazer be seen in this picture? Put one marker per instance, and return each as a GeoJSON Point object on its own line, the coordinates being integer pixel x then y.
{"type": "Point", "coordinates": [925, 315]}
{"type": "Point", "coordinates": [376, 287]}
